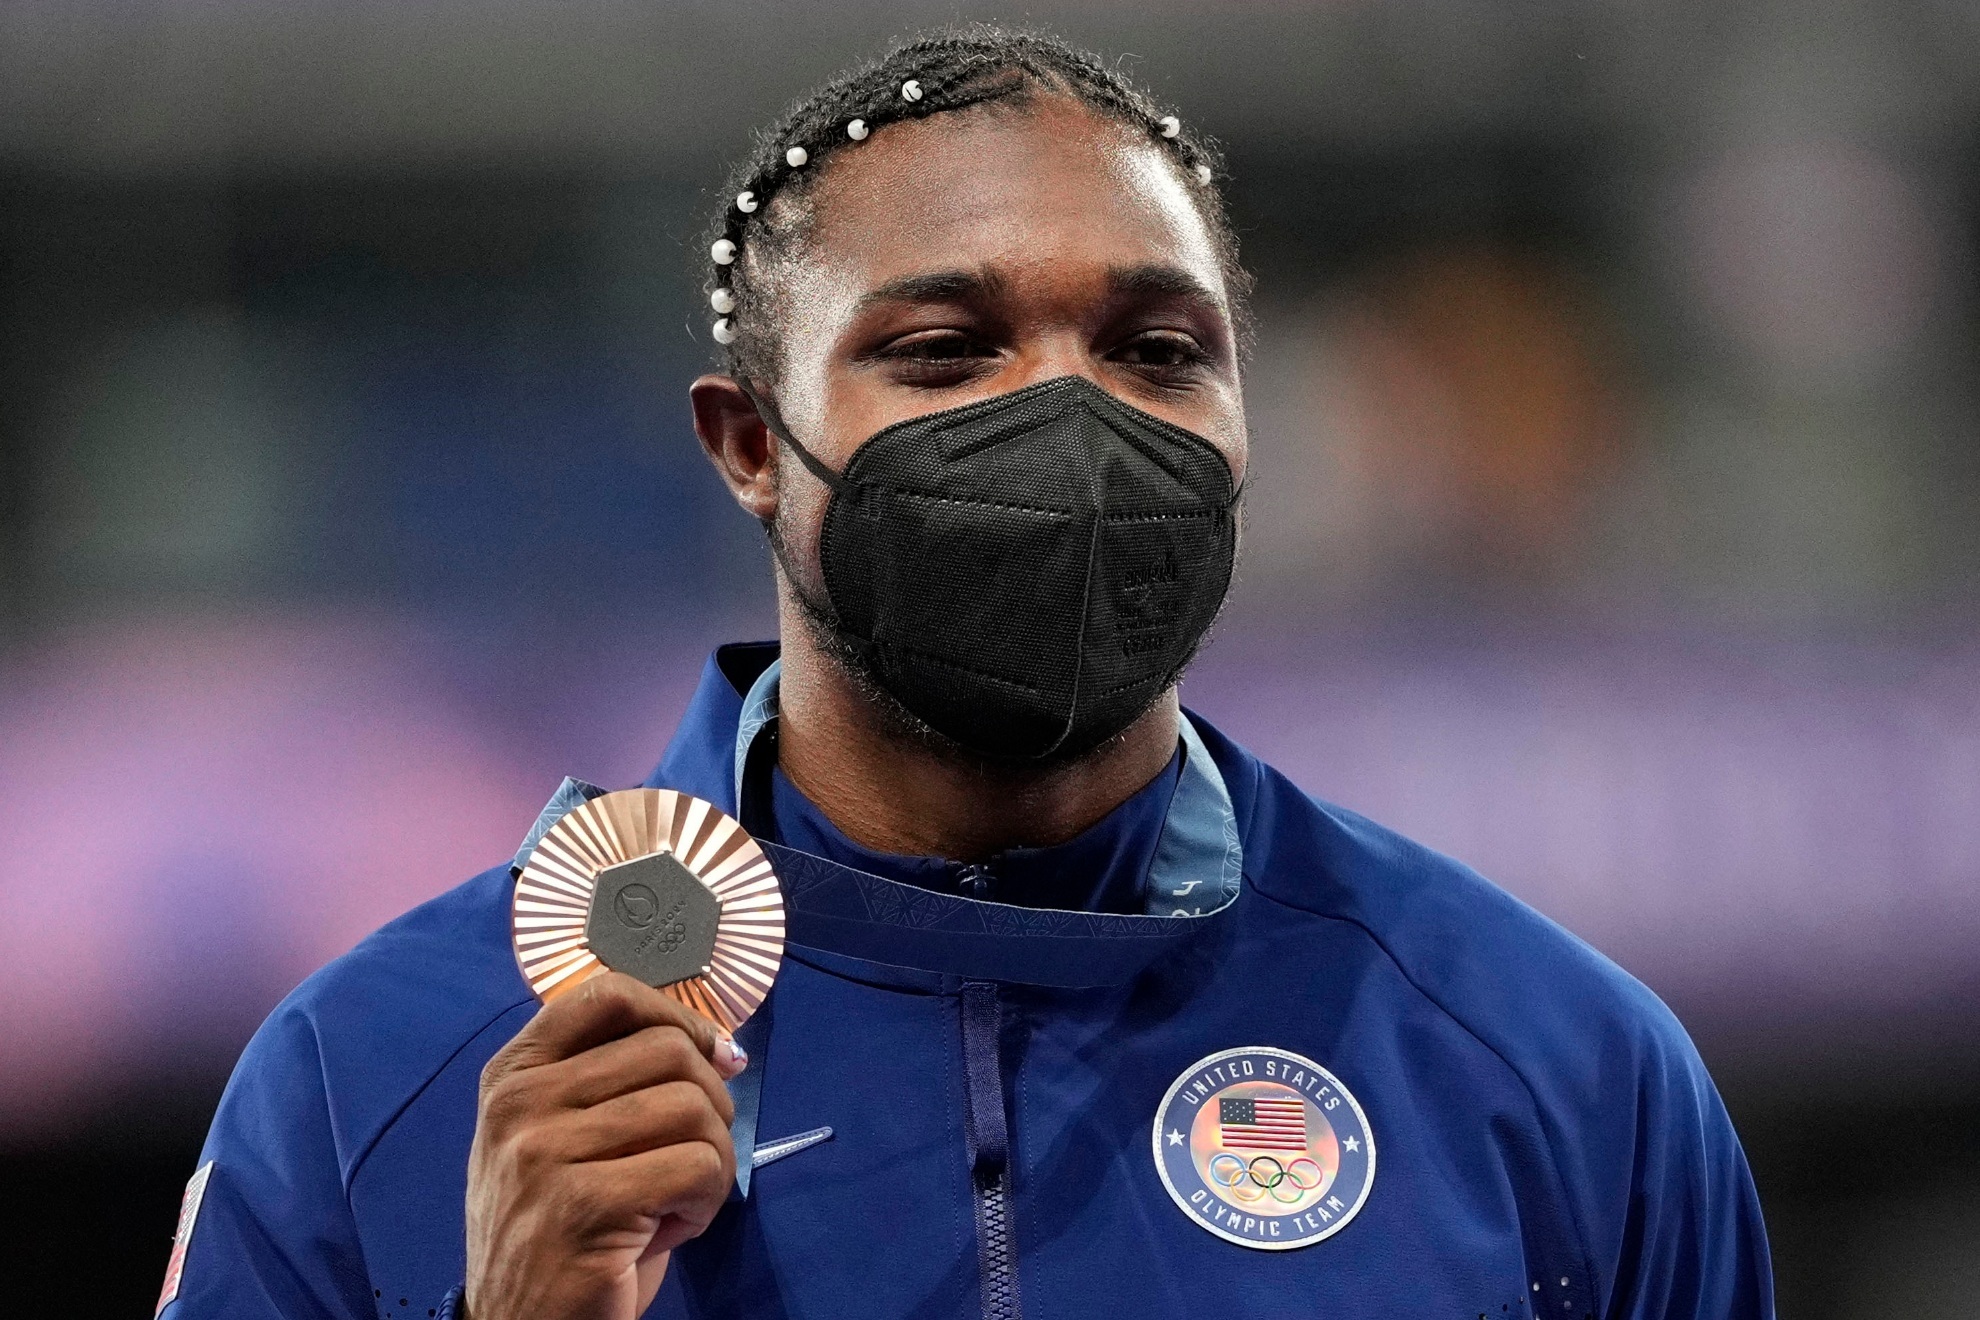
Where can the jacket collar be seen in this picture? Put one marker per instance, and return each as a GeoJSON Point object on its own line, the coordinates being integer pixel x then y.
{"type": "Point", "coordinates": [836, 910]}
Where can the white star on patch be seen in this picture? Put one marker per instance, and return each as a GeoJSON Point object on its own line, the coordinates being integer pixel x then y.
{"type": "Point", "coordinates": [1352, 1144]}
{"type": "Point", "coordinates": [1175, 1138]}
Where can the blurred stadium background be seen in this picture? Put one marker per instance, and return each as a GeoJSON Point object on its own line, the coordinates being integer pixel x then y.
{"type": "Point", "coordinates": [1615, 522]}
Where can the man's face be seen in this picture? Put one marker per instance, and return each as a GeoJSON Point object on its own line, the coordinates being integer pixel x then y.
{"type": "Point", "coordinates": [968, 255]}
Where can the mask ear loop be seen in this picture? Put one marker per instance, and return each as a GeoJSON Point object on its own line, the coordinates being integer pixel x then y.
{"type": "Point", "coordinates": [826, 614]}
{"type": "Point", "coordinates": [773, 422]}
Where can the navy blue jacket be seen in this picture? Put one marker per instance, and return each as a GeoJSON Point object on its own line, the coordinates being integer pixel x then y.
{"type": "Point", "coordinates": [1550, 1143]}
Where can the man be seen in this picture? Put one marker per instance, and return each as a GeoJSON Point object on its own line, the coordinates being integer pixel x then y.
{"type": "Point", "coordinates": [1085, 1009]}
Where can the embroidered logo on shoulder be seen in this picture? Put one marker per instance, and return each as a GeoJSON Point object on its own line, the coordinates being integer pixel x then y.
{"type": "Point", "coordinates": [1264, 1148]}
{"type": "Point", "coordinates": [175, 1268]}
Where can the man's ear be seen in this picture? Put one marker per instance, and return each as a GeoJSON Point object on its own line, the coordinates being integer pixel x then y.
{"type": "Point", "coordinates": [737, 443]}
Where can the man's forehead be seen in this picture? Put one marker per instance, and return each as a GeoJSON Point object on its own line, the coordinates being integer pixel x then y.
{"type": "Point", "coordinates": [1048, 190]}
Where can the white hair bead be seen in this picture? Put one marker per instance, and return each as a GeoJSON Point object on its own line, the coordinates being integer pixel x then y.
{"type": "Point", "coordinates": [1203, 174]}
{"type": "Point", "coordinates": [746, 201]}
{"type": "Point", "coordinates": [857, 130]}
{"type": "Point", "coordinates": [1171, 126]}
{"type": "Point", "coordinates": [910, 90]}
{"type": "Point", "coordinates": [723, 301]}
{"type": "Point", "coordinates": [796, 157]}
{"type": "Point", "coordinates": [724, 251]}
{"type": "Point", "coordinates": [725, 333]}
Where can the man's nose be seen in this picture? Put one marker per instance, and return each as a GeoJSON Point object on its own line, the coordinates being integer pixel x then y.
{"type": "Point", "coordinates": [1054, 357]}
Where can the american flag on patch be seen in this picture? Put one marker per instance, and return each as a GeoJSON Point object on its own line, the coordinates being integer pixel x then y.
{"type": "Point", "coordinates": [1262, 1123]}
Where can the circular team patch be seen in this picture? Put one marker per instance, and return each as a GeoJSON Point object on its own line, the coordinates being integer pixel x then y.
{"type": "Point", "coordinates": [1264, 1148]}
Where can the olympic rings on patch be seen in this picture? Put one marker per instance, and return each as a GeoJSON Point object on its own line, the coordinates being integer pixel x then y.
{"type": "Point", "coordinates": [1294, 1188]}
{"type": "Point", "coordinates": [1264, 1175]}
{"type": "Point", "coordinates": [1278, 1171]}
{"type": "Point", "coordinates": [1235, 1169]}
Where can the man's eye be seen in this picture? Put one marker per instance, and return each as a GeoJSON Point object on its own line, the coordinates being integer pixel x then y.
{"type": "Point", "coordinates": [1161, 349]}
{"type": "Point", "coordinates": [944, 346]}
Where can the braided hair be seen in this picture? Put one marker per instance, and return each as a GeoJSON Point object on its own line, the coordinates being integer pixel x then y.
{"type": "Point", "coordinates": [764, 216]}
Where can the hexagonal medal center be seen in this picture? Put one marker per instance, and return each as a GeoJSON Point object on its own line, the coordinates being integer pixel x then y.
{"type": "Point", "coordinates": [653, 919]}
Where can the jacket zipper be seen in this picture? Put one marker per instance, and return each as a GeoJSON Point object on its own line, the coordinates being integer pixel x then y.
{"type": "Point", "coordinates": [989, 1152]}
{"type": "Point", "coordinates": [974, 879]}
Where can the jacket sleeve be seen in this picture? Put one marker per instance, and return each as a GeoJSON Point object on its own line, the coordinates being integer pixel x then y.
{"type": "Point", "coordinates": [1690, 1241]}
{"type": "Point", "coordinates": [274, 1235]}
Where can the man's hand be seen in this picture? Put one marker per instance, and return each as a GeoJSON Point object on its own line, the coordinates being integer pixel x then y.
{"type": "Point", "coordinates": [602, 1143]}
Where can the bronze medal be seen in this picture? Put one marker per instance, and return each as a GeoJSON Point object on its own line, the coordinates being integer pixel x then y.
{"type": "Point", "coordinates": [659, 885]}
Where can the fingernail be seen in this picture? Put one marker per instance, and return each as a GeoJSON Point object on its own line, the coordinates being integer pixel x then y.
{"type": "Point", "coordinates": [730, 1058]}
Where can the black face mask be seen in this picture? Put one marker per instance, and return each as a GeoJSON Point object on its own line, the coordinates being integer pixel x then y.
{"type": "Point", "coordinates": [1026, 574]}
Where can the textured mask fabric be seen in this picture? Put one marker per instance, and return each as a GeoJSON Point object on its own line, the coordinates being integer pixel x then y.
{"type": "Point", "coordinates": [1027, 573]}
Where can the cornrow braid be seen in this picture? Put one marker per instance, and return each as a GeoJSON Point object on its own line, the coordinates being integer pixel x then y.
{"type": "Point", "coordinates": [763, 215]}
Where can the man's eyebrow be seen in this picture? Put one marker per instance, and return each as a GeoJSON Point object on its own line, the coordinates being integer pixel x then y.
{"type": "Point", "coordinates": [1149, 280]}
{"type": "Point", "coordinates": [1156, 280]}
{"type": "Point", "coordinates": [950, 286]}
